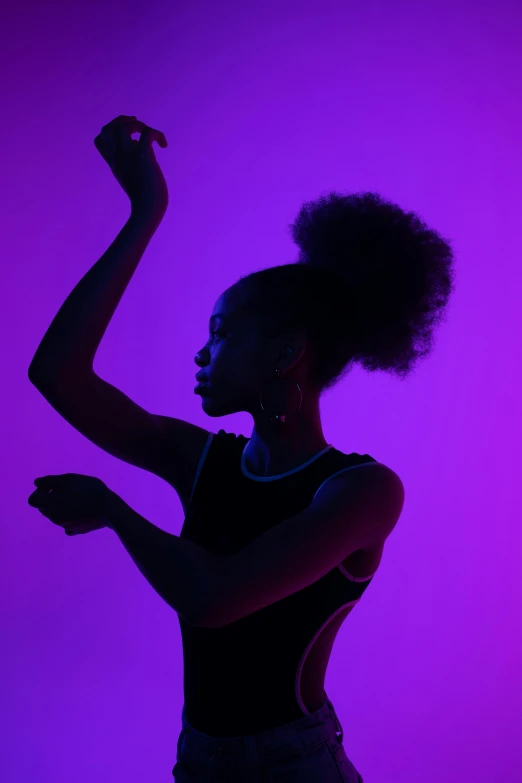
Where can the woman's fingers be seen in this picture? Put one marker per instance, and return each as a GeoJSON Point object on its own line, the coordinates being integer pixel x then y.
{"type": "Point", "coordinates": [122, 131]}
{"type": "Point", "coordinates": [118, 121]}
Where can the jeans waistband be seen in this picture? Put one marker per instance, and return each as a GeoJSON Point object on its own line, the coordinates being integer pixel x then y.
{"type": "Point", "coordinates": [306, 732]}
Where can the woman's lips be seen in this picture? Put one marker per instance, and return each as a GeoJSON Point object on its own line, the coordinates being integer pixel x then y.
{"type": "Point", "coordinates": [198, 389]}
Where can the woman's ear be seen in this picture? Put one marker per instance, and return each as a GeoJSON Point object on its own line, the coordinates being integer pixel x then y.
{"type": "Point", "coordinates": [294, 350]}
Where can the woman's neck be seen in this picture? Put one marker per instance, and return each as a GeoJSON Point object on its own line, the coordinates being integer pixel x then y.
{"type": "Point", "coordinates": [277, 447]}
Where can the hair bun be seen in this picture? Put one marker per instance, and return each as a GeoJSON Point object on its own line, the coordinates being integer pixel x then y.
{"type": "Point", "coordinates": [393, 271]}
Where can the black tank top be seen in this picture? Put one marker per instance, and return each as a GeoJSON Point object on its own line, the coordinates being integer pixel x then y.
{"type": "Point", "coordinates": [261, 671]}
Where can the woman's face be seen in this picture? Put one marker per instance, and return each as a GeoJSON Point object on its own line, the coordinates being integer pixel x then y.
{"type": "Point", "coordinates": [236, 359]}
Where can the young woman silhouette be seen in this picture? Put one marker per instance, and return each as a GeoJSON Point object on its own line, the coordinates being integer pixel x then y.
{"type": "Point", "coordinates": [300, 524]}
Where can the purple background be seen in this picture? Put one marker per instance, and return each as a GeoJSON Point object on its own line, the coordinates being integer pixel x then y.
{"type": "Point", "coordinates": [265, 106]}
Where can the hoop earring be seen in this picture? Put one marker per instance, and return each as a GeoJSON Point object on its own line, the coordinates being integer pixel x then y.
{"type": "Point", "coordinates": [281, 417]}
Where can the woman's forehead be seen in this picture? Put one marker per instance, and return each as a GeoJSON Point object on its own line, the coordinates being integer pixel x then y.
{"type": "Point", "coordinates": [231, 303]}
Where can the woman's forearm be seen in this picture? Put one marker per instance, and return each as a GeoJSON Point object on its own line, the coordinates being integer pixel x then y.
{"type": "Point", "coordinates": [181, 572]}
{"type": "Point", "coordinates": [72, 339]}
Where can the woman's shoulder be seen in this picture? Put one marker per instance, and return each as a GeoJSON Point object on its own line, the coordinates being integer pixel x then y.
{"type": "Point", "coordinates": [223, 442]}
{"type": "Point", "coordinates": [230, 438]}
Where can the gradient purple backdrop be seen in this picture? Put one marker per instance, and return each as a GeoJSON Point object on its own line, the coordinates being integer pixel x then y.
{"type": "Point", "coordinates": [266, 105]}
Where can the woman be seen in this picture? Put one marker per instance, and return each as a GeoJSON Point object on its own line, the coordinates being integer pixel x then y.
{"type": "Point", "coordinates": [370, 283]}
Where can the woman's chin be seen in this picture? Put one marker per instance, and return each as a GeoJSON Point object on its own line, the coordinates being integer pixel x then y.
{"type": "Point", "coordinates": [213, 408]}
{"type": "Point", "coordinates": [208, 404]}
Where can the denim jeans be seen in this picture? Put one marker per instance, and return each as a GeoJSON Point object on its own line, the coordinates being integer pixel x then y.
{"type": "Point", "coordinates": [307, 750]}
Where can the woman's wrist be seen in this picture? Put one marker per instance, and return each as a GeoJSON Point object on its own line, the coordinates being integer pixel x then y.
{"type": "Point", "coordinates": [114, 509]}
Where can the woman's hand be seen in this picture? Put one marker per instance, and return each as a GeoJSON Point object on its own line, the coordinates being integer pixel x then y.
{"type": "Point", "coordinates": [75, 502]}
{"type": "Point", "coordinates": [134, 163]}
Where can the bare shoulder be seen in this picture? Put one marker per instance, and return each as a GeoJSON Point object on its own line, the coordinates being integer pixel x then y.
{"type": "Point", "coordinates": [373, 475]}
{"type": "Point", "coordinates": [375, 494]}
{"type": "Point", "coordinates": [183, 446]}
{"type": "Point", "coordinates": [389, 490]}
